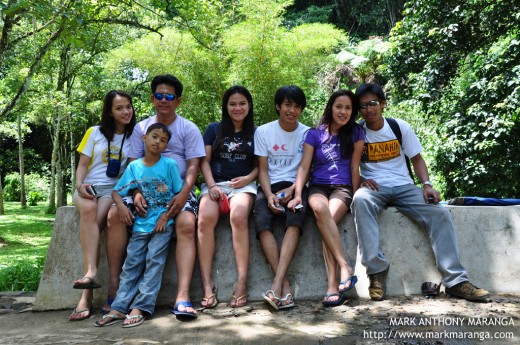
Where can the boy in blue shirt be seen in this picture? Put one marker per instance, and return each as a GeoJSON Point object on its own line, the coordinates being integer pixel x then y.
{"type": "Point", "coordinates": [158, 179]}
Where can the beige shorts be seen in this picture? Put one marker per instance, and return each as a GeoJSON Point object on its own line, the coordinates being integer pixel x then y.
{"type": "Point", "coordinates": [226, 188]}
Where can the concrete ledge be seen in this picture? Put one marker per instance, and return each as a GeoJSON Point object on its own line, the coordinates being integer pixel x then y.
{"type": "Point", "coordinates": [488, 240]}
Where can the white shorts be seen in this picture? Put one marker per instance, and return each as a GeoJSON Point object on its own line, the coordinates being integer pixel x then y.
{"type": "Point", "coordinates": [226, 188]}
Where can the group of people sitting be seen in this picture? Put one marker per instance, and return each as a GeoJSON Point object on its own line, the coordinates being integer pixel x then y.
{"type": "Point", "coordinates": [139, 180]}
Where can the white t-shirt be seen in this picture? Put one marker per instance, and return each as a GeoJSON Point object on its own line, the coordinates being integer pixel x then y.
{"type": "Point", "coordinates": [383, 159]}
{"type": "Point", "coordinates": [283, 150]}
{"type": "Point", "coordinates": [94, 145]}
{"type": "Point", "coordinates": [186, 141]}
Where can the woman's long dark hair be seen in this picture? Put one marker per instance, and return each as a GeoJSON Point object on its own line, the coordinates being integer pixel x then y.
{"type": "Point", "coordinates": [227, 129]}
{"type": "Point", "coordinates": [107, 126]}
{"type": "Point", "coordinates": [345, 133]}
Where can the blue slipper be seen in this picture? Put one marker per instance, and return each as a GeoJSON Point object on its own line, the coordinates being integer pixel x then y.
{"type": "Point", "coordinates": [109, 302]}
{"type": "Point", "coordinates": [340, 301]}
{"type": "Point", "coordinates": [353, 281]}
{"type": "Point", "coordinates": [185, 313]}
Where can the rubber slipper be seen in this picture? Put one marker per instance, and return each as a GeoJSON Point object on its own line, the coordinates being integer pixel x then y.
{"type": "Point", "coordinates": [236, 299]}
{"type": "Point", "coordinates": [215, 299]}
{"type": "Point", "coordinates": [184, 313]}
{"type": "Point", "coordinates": [291, 304]}
{"type": "Point", "coordinates": [115, 319]}
{"type": "Point", "coordinates": [134, 324]}
{"type": "Point", "coordinates": [340, 301]}
{"type": "Point", "coordinates": [109, 302]}
{"type": "Point", "coordinates": [91, 284]}
{"type": "Point", "coordinates": [353, 280]}
{"type": "Point", "coordinates": [274, 304]}
{"type": "Point", "coordinates": [76, 311]}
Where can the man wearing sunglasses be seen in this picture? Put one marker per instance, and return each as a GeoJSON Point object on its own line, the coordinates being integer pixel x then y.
{"type": "Point", "coordinates": [186, 147]}
{"type": "Point", "coordinates": [386, 181]}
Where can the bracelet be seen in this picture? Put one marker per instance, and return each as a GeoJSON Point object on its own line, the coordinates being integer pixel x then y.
{"type": "Point", "coordinates": [213, 185]}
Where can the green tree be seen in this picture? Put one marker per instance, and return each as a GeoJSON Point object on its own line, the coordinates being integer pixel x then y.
{"type": "Point", "coordinates": [459, 67]}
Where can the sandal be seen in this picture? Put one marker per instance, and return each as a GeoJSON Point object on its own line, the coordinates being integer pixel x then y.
{"type": "Point", "coordinates": [86, 283]}
{"type": "Point", "coordinates": [289, 297]}
{"type": "Point", "coordinates": [115, 319]}
{"type": "Point", "coordinates": [109, 302]}
{"type": "Point", "coordinates": [276, 303]}
{"type": "Point", "coordinates": [352, 279]}
{"type": "Point", "coordinates": [134, 324]}
{"type": "Point", "coordinates": [76, 311]}
{"type": "Point", "coordinates": [215, 300]}
{"type": "Point", "coordinates": [234, 301]}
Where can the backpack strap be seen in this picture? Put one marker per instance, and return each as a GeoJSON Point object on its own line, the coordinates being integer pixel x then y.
{"type": "Point", "coordinates": [397, 132]}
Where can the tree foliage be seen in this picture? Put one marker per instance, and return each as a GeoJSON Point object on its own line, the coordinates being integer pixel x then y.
{"type": "Point", "coordinates": [461, 66]}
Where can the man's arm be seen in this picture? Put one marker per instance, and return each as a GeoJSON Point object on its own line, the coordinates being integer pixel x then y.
{"type": "Point", "coordinates": [179, 200]}
{"type": "Point", "coordinates": [419, 166]}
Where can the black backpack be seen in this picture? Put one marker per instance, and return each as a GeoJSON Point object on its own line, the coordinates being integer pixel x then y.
{"type": "Point", "coordinates": [397, 132]}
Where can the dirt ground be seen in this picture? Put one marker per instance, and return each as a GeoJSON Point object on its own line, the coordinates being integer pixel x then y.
{"type": "Point", "coordinates": [396, 320]}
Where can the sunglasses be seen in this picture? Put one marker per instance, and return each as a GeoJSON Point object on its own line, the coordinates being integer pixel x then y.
{"type": "Point", "coordinates": [159, 96]}
{"type": "Point", "coordinates": [370, 104]}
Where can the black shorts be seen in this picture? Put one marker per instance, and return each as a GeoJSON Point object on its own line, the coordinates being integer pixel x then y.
{"type": "Point", "coordinates": [342, 192]}
{"type": "Point", "coordinates": [264, 217]}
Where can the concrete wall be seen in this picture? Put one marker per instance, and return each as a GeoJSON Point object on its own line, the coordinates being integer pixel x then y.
{"type": "Point", "coordinates": [488, 238]}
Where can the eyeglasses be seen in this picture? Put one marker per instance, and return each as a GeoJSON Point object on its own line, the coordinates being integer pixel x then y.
{"type": "Point", "coordinates": [159, 96]}
{"type": "Point", "coordinates": [370, 104]}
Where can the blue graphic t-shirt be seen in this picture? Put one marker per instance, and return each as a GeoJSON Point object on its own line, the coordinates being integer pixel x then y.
{"type": "Point", "coordinates": [158, 184]}
{"type": "Point", "coordinates": [233, 157]}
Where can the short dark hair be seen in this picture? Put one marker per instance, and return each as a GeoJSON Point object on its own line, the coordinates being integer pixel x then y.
{"type": "Point", "coordinates": [160, 126]}
{"type": "Point", "coordinates": [107, 124]}
{"type": "Point", "coordinates": [170, 80]}
{"type": "Point", "coordinates": [363, 89]}
{"type": "Point", "coordinates": [291, 93]}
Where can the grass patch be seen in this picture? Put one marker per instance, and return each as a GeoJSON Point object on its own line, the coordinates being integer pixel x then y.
{"type": "Point", "coordinates": [25, 234]}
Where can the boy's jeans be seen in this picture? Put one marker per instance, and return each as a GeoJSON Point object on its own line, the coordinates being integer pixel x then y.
{"type": "Point", "coordinates": [142, 272]}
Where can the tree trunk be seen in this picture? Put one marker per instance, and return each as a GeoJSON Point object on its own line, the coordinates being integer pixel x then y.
{"type": "Point", "coordinates": [23, 198]}
{"type": "Point", "coordinates": [59, 181]}
{"type": "Point", "coordinates": [55, 135]}
{"type": "Point", "coordinates": [1, 196]}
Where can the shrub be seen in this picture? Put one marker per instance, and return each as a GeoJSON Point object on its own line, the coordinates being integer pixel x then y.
{"type": "Point", "coordinates": [22, 276]}
{"type": "Point", "coordinates": [34, 183]}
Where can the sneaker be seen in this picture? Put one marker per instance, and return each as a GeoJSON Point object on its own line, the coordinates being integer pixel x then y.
{"type": "Point", "coordinates": [468, 291]}
{"type": "Point", "coordinates": [377, 287]}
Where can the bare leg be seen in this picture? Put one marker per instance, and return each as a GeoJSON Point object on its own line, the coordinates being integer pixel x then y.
{"type": "Point", "coordinates": [280, 261]}
{"type": "Point", "coordinates": [185, 255]}
{"type": "Point", "coordinates": [116, 242]}
{"type": "Point", "coordinates": [327, 213]}
{"type": "Point", "coordinates": [241, 205]}
{"type": "Point", "coordinates": [208, 219]}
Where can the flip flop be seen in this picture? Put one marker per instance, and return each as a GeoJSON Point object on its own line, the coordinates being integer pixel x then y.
{"type": "Point", "coordinates": [291, 304]}
{"type": "Point", "coordinates": [115, 319]}
{"type": "Point", "coordinates": [236, 299]}
{"type": "Point", "coordinates": [340, 301]}
{"type": "Point", "coordinates": [109, 302]}
{"type": "Point", "coordinates": [184, 313]}
{"type": "Point", "coordinates": [215, 300]}
{"type": "Point", "coordinates": [274, 304]}
{"type": "Point", "coordinates": [91, 284]}
{"type": "Point", "coordinates": [353, 280]}
{"type": "Point", "coordinates": [76, 311]}
{"type": "Point", "coordinates": [134, 324]}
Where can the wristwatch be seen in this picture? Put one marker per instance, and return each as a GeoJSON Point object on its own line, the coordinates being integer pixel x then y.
{"type": "Point", "coordinates": [427, 183]}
